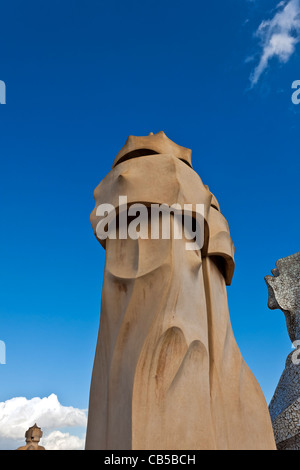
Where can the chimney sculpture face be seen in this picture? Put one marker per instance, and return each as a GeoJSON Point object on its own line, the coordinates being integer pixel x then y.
{"type": "Point", "coordinates": [33, 436]}
{"type": "Point", "coordinates": [153, 144]}
{"type": "Point", "coordinates": [284, 294]}
{"type": "Point", "coordinates": [168, 373]}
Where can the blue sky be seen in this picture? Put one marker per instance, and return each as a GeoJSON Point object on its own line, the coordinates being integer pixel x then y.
{"type": "Point", "coordinates": [82, 76]}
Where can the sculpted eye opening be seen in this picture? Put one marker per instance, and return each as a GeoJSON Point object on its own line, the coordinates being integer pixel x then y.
{"type": "Point", "coordinates": [136, 154]}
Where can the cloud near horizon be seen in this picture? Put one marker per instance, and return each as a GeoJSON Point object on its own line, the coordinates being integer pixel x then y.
{"type": "Point", "coordinates": [19, 413]}
{"type": "Point", "coordinates": [278, 36]}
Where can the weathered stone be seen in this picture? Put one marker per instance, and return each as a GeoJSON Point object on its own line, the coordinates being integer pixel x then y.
{"type": "Point", "coordinates": [168, 374]}
{"type": "Point", "coordinates": [33, 436]}
{"type": "Point", "coordinates": [284, 294]}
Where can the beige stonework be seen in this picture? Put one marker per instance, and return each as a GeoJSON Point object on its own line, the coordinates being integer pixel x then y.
{"type": "Point", "coordinates": [168, 374]}
{"type": "Point", "coordinates": [33, 436]}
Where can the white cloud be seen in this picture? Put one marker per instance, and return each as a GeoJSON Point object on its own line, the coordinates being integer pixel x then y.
{"type": "Point", "coordinates": [18, 414]}
{"type": "Point", "coordinates": [58, 440]}
{"type": "Point", "coordinates": [278, 36]}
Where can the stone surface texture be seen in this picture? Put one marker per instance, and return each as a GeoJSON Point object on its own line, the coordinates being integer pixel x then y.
{"type": "Point", "coordinates": [33, 436]}
{"type": "Point", "coordinates": [168, 374]}
{"type": "Point", "coordinates": [284, 294]}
